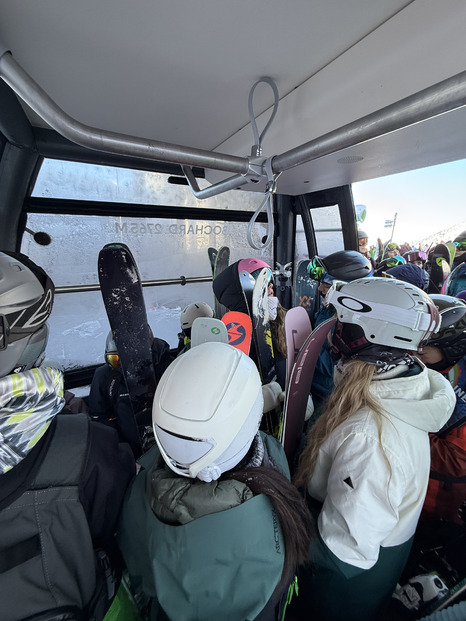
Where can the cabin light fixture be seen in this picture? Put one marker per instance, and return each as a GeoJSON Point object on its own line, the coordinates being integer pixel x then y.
{"type": "Point", "coordinates": [350, 159]}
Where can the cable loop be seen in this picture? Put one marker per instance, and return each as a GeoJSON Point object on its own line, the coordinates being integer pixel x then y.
{"type": "Point", "coordinates": [257, 147]}
{"type": "Point", "coordinates": [269, 191]}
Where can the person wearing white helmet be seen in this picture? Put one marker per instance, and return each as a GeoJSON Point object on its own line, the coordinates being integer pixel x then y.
{"type": "Point", "coordinates": [366, 463]}
{"type": "Point", "coordinates": [62, 478]}
{"type": "Point", "coordinates": [187, 317]}
{"type": "Point", "coordinates": [212, 528]}
{"type": "Point", "coordinates": [343, 265]}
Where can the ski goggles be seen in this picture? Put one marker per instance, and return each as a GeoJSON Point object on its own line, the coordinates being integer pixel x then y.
{"type": "Point", "coordinates": [363, 241]}
{"type": "Point", "coordinates": [419, 255]}
{"type": "Point", "coordinates": [461, 245]}
{"type": "Point", "coordinates": [316, 269]}
{"type": "Point", "coordinates": [256, 273]}
{"type": "Point", "coordinates": [394, 261]}
{"type": "Point", "coordinates": [113, 360]}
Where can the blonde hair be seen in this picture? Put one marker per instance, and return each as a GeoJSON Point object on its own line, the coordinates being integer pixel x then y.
{"type": "Point", "coordinates": [277, 327]}
{"type": "Point", "coordinates": [350, 394]}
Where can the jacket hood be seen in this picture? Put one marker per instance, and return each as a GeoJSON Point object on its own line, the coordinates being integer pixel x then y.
{"type": "Point", "coordinates": [228, 291]}
{"type": "Point", "coordinates": [28, 403]}
{"type": "Point", "coordinates": [425, 401]}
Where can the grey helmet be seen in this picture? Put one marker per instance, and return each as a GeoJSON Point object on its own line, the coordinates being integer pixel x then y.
{"type": "Point", "coordinates": [111, 353]}
{"type": "Point", "coordinates": [192, 312]}
{"type": "Point", "coordinates": [26, 299]}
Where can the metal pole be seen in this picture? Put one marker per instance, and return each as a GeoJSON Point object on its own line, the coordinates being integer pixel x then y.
{"type": "Point", "coordinates": [393, 227]}
{"type": "Point", "coordinates": [182, 280]}
{"type": "Point", "coordinates": [102, 140]}
{"type": "Point", "coordinates": [432, 101]}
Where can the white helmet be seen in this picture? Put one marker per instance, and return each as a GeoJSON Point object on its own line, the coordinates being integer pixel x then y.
{"type": "Point", "coordinates": [192, 312]}
{"type": "Point", "coordinates": [390, 312]}
{"type": "Point", "coordinates": [207, 409]}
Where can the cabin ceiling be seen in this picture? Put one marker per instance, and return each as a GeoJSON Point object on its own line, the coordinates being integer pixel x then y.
{"type": "Point", "coordinates": [180, 72]}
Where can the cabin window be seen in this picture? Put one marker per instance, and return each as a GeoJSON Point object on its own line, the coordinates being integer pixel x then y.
{"type": "Point", "coordinates": [327, 227]}
{"type": "Point", "coordinates": [74, 180]}
{"type": "Point", "coordinates": [165, 248]}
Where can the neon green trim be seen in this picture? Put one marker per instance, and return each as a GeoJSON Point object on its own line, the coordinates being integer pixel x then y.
{"type": "Point", "coordinates": [17, 384]}
{"type": "Point", "coordinates": [39, 380]}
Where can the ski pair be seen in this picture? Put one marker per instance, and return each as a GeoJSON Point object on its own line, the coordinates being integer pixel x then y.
{"type": "Point", "coordinates": [306, 289]}
{"type": "Point", "coordinates": [234, 328]}
{"type": "Point", "coordinates": [299, 384]}
{"type": "Point", "coordinates": [256, 298]}
{"type": "Point", "coordinates": [219, 260]}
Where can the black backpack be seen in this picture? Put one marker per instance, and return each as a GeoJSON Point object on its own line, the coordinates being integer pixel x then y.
{"type": "Point", "coordinates": [49, 569]}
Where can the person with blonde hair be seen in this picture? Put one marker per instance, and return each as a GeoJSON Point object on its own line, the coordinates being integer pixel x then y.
{"type": "Point", "coordinates": [366, 463]}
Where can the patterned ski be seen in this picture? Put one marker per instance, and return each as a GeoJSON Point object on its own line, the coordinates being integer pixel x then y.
{"type": "Point", "coordinates": [261, 326]}
{"type": "Point", "coordinates": [247, 284]}
{"type": "Point", "coordinates": [208, 329]}
{"type": "Point", "coordinates": [121, 289]}
{"type": "Point", "coordinates": [306, 293]}
{"type": "Point", "coordinates": [297, 329]}
{"type": "Point", "coordinates": [239, 329]}
{"type": "Point", "coordinates": [299, 388]}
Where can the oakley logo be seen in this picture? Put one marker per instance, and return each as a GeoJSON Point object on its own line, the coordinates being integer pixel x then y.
{"type": "Point", "coordinates": [354, 305]}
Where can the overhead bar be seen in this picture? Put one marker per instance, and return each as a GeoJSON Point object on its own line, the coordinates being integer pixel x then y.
{"type": "Point", "coordinates": [38, 100]}
{"type": "Point", "coordinates": [432, 101]}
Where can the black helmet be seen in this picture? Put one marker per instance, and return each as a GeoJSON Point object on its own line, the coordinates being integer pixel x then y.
{"type": "Point", "coordinates": [26, 299]}
{"type": "Point", "coordinates": [388, 263]}
{"type": "Point", "coordinates": [451, 338]}
{"type": "Point", "coordinates": [347, 265]}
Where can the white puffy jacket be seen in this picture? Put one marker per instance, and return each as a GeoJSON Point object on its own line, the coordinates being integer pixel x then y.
{"type": "Point", "coordinates": [372, 487]}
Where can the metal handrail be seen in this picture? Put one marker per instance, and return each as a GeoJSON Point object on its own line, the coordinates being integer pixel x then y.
{"type": "Point", "coordinates": [182, 280]}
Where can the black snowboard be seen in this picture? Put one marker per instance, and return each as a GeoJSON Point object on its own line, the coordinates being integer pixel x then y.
{"type": "Point", "coordinates": [122, 294]}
